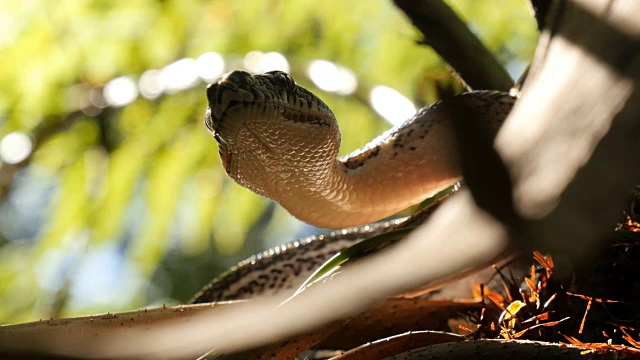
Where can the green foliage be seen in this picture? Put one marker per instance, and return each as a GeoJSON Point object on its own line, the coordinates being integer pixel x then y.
{"type": "Point", "coordinates": [113, 202]}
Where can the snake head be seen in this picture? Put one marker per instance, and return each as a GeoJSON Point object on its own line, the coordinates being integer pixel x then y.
{"type": "Point", "coordinates": [261, 121]}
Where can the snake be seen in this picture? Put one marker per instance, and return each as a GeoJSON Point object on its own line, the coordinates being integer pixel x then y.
{"type": "Point", "coordinates": [281, 141]}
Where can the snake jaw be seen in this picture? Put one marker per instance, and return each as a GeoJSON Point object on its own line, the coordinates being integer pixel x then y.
{"type": "Point", "coordinates": [225, 154]}
{"type": "Point", "coordinates": [223, 148]}
{"type": "Point", "coordinates": [208, 121]}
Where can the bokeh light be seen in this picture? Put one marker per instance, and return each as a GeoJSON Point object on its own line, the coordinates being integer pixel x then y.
{"type": "Point", "coordinates": [251, 61]}
{"type": "Point", "coordinates": [149, 84]}
{"type": "Point", "coordinates": [274, 61]}
{"type": "Point", "coordinates": [120, 91]}
{"type": "Point", "coordinates": [210, 66]}
{"type": "Point", "coordinates": [332, 78]}
{"type": "Point", "coordinates": [15, 147]}
{"type": "Point", "coordinates": [391, 105]}
{"type": "Point", "coordinates": [179, 75]}
{"type": "Point", "coordinates": [96, 97]}
{"type": "Point", "coordinates": [258, 62]}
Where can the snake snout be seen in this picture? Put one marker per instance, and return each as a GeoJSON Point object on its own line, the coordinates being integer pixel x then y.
{"type": "Point", "coordinates": [237, 77]}
{"type": "Point", "coordinates": [224, 95]}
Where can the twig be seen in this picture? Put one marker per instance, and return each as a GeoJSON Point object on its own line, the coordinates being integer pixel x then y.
{"type": "Point", "coordinates": [451, 38]}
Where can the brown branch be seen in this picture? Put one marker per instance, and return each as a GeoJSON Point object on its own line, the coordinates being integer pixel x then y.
{"type": "Point", "coordinates": [541, 10]}
{"type": "Point", "coordinates": [451, 38]}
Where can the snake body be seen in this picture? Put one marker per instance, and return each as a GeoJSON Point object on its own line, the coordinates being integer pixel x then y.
{"type": "Point", "coordinates": [281, 141]}
{"type": "Point", "coordinates": [285, 267]}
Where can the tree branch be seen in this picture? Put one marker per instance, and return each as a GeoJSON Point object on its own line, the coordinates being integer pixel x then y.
{"type": "Point", "coordinates": [451, 38]}
{"type": "Point", "coordinates": [541, 10]}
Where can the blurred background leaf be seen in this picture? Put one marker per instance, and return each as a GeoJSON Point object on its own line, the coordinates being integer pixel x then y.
{"type": "Point", "coordinates": [111, 192]}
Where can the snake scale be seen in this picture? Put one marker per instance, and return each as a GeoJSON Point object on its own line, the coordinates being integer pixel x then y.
{"type": "Point", "coordinates": [281, 141]}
